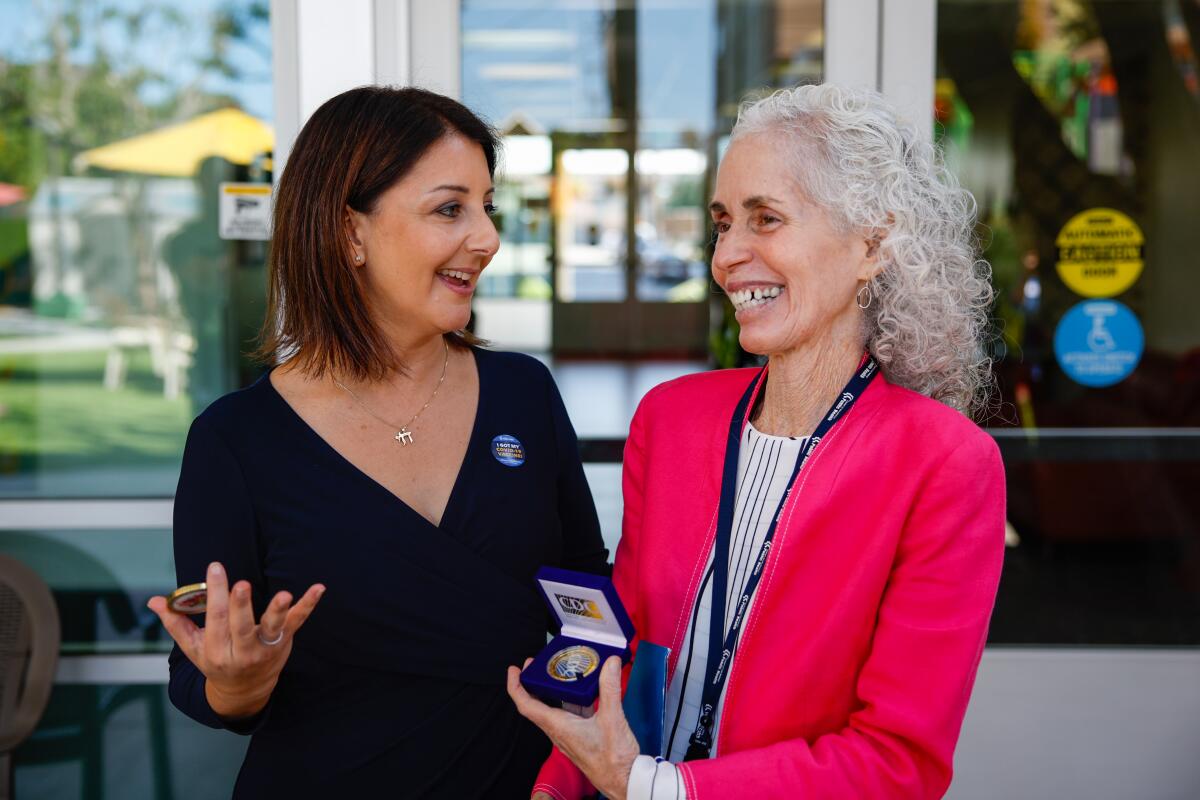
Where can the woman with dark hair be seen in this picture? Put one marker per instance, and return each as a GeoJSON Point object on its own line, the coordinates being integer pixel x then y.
{"type": "Point", "coordinates": [388, 467]}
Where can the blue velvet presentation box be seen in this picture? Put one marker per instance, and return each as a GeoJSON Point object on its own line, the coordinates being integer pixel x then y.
{"type": "Point", "coordinates": [594, 627]}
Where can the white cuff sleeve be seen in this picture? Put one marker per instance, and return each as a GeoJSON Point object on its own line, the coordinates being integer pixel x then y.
{"type": "Point", "coordinates": [654, 780]}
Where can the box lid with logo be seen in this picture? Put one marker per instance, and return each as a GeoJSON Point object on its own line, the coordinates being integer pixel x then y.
{"type": "Point", "coordinates": [594, 627]}
{"type": "Point", "coordinates": [586, 606]}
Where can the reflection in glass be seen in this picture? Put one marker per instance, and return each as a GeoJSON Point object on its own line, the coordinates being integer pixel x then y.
{"type": "Point", "coordinates": [1048, 109]}
{"type": "Point", "coordinates": [671, 225]}
{"type": "Point", "coordinates": [122, 312]}
{"type": "Point", "coordinates": [124, 741]}
{"type": "Point", "coordinates": [521, 267]}
{"type": "Point", "coordinates": [101, 580]}
{"type": "Point", "coordinates": [631, 98]}
{"type": "Point", "coordinates": [591, 210]}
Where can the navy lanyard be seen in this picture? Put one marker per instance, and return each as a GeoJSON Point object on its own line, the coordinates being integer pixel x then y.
{"type": "Point", "coordinates": [720, 652]}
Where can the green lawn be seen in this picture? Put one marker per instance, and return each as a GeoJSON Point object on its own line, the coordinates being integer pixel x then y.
{"type": "Point", "coordinates": [54, 408]}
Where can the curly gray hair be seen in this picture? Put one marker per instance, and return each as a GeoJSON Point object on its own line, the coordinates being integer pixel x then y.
{"type": "Point", "coordinates": [929, 323]}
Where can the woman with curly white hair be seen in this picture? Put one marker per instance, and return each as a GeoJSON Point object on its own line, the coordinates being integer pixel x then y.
{"type": "Point", "coordinates": [818, 541]}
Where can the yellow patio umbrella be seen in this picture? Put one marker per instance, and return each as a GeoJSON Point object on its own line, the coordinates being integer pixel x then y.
{"type": "Point", "coordinates": [178, 149]}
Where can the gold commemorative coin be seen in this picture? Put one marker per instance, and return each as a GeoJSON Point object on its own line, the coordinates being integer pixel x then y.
{"type": "Point", "coordinates": [190, 599]}
{"type": "Point", "coordinates": [573, 663]}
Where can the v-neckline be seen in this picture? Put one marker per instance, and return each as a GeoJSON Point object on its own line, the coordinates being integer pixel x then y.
{"type": "Point", "coordinates": [462, 467]}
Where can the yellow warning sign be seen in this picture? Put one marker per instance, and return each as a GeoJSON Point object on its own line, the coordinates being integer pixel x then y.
{"type": "Point", "coordinates": [1100, 252]}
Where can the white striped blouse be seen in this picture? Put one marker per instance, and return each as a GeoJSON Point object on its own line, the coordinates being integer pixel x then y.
{"type": "Point", "coordinates": [765, 464]}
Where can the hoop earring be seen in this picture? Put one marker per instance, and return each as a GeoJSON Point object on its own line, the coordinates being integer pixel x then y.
{"type": "Point", "coordinates": [858, 298]}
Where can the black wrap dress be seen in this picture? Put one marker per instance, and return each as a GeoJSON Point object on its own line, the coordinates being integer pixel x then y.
{"type": "Point", "coordinates": [395, 686]}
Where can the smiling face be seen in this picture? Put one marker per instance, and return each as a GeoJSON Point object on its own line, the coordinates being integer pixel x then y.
{"type": "Point", "coordinates": [790, 273]}
{"type": "Point", "coordinates": [427, 240]}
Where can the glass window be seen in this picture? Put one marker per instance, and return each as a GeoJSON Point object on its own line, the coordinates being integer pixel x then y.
{"type": "Point", "coordinates": [612, 112]}
{"type": "Point", "coordinates": [1076, 125]}
{"type": "Point", "coordinates": [123, 310]}
{"type": "Point", "coordinates": [126, 741]}
{"type": "Point", "coordinates": [101, 580]}
{"type": "Point", "coordinates": [106, 733]}
{"type": "Point", "coordinates": [135, 157]}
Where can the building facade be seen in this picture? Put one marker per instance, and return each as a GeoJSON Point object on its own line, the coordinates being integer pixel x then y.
{"type": "Point", "coordinates": [132, 270]}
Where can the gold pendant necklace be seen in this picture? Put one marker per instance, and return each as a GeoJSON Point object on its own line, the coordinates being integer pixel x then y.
{"type": "Point", "coordinates": [403, 435]}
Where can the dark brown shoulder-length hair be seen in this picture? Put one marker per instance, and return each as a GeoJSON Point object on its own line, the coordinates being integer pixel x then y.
{"type": "Point", "coordinates": [353, 149]}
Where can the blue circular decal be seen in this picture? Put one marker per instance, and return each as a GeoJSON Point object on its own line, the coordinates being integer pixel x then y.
{"type": "Point", "coordinates": [508, 450]}
{"type": "Point", "coordinates": [1098, 342]}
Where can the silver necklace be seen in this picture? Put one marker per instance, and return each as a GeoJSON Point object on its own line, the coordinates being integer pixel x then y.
{"type": "Point", "coordinates": [404, 435]}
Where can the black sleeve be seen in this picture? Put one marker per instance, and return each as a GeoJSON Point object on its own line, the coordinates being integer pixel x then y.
{"type": "Point", "coordinates": [583, 546]}
{"type": "Point", "coordinates": [213, 521]}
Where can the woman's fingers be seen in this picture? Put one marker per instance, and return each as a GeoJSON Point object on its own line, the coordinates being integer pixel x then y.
{"type": "Point", "coordinates": [241, 621]}
{"type": "Point", "coordinates": [529, 706]}
{"type": "Point", "coordinates": [230, 638]}
{"type": "Point", "coordinates": [610, 689]}
{"type": "Point", "coordinates": [274, 618]}
{"type": "Point", "coordinates": [298, 613]}
{"type": "Point", "coordinates": [520, 697]}
{"type": "Point", "coordinates": [185, 632]}
{"type": "Point", "coordinates": [517, 692]}
{"type": "Point", "coordinates": [216, 614]}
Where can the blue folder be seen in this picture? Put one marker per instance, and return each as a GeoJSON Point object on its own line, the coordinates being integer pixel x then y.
{"type": "Point", "coordinates": [646, 697]}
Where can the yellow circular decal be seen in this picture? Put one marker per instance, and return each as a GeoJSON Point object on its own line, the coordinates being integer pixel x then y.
{"type": "Point", "coordinates": [1100, 252]}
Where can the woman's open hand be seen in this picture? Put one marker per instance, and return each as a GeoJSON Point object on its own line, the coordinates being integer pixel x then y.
{"type": "Point", "coordinates": [240, 659]}
{"type": "Point", "coordinates": [603, 745]}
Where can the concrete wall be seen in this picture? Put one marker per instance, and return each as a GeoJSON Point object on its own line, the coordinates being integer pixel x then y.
{"type": "Point", "coordinates": [1100, 724]}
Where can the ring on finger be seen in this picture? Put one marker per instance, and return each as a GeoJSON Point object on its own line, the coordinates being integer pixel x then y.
{"type": "Point", "coordinates": [270, 642]}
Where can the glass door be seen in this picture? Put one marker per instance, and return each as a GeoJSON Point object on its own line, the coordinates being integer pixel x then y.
{"type": "Point", "coordinates": [629, 102]}
{"type": "Point", "coordinates": [124, 311]}
{"type": "Point", "coordinates": [1077, 127]}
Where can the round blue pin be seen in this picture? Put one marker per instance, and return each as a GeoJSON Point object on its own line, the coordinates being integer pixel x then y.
{"type": "Point", "coordinates": [508, 450]}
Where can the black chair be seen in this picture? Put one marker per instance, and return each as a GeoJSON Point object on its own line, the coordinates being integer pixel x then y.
{"type": "Point", "coordinates": [29, 641]}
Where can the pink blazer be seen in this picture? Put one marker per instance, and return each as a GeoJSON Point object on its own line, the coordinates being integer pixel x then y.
{"type": "Point", "coordinates": [856, 663]}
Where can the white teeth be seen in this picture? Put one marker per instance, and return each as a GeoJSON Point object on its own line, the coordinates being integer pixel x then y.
{"type": "Point", "coordinates": [750, 298]}
{"type": "Point", "coordinates": [453, 273]}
